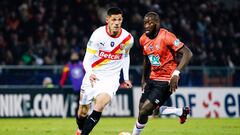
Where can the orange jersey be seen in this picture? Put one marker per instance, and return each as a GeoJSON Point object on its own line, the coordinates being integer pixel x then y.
{"type": "Point", "coordinates": [161, 52]}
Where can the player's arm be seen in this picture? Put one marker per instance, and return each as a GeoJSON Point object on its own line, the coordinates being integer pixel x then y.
{"type": "Point", "coordinates": [87, 61]}
{"type": "Point", "coordinates": [178, 47]}
{"type": "Point", "coordinates": [126, 65]}
{"type": "Point", "coordinates": [186, 57]}
{"type": "Point", "coordinates": [91, 50]}
{"type": "Point", "coordinates": [146, 70]}
{"type": "Point", "coordinates": [146, 64]}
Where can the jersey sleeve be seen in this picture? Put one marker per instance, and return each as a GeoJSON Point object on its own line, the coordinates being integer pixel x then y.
{"type": "Point", "coordinates": [92, 48]}
{"type": "Point", "coordinates": [92, 45]}
{"type": "Point", "coordinates": [129, 45]}
{"type": "Point", "coordinates": [126, 62]}
{"type": "Point", "coordinates": [172, 41]}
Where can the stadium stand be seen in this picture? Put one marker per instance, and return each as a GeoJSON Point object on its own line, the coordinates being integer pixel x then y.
{"type": "Point", "coordinates": [46, 32]}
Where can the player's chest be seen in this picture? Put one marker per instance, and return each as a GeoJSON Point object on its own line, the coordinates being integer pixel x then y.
{"type": "Point", "coordinates": [111, 45]}
{"type": "Point", "coordinates": [111, 49]}
{"type": "Point", "coordinates": [154, 47]}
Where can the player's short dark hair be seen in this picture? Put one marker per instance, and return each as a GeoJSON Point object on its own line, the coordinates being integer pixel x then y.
{"type": "Point", "coordinates": [114, 11]}
{"type": "Point", "coordinates": [154, 15]}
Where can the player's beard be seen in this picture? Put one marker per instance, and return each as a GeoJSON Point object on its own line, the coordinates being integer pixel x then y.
{"type": "Point", "coordinates": [153, 33]}
{"type": "Point", "coordinates": [115, 30]}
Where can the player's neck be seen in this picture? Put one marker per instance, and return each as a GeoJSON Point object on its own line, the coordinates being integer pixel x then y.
{"type": "Point", "coordinates": [154, 35]}
{"type": "Point", "coordinates": [113, 33]}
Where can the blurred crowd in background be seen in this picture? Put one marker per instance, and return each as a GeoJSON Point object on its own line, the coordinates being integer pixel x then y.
{"type": "Point", "coordinates": [46, 32]}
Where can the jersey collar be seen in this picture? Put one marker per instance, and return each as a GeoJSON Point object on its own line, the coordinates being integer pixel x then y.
{"type": "Point", "coordinates": [110, 34]}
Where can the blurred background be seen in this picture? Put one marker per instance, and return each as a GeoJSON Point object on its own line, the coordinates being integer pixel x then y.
{"type": "Point", "coordinates": [37, 38]}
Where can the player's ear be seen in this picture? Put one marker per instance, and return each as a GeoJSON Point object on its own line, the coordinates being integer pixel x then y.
{"type": "Point", "coordinates": [107, 19]}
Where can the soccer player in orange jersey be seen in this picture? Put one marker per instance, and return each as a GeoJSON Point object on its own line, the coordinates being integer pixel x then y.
{"type": "Point", "coordinates": [161, 70]}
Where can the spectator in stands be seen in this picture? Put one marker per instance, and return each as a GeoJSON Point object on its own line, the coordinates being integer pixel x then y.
{"type": "Point", "coordinates": [47, 82]}
{"type": "Point", "coordinates": [74, 69]}
{"type": "Point", "coordinates": [53, 27]}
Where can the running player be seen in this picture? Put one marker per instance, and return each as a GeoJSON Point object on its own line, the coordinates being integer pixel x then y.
{"type": "Point", "coordinates": [107, 53]}
{"type": "Point", "coordinates": [161, 71]}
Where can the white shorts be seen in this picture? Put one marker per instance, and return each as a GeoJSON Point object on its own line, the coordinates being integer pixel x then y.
{"type": "Point", "coordinates": [105, 84]}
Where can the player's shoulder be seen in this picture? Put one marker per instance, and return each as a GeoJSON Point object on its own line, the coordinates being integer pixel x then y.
{"type": "Point", "coordinates": [164, 32]}
{"type": "Point", "coordinates": [143, 39]}
{"type": "Point", "coordinates": [125, 32]}
{"type": "Point", "coordinates": [99, 30]}
{"type": "Point", "coordinates": [97, 34]}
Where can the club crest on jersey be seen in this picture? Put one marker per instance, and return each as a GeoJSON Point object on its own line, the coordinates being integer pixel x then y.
{"type": "Point", "coordinates": [112, 44]}
{"type": "Point", "coordinates": [176, 42]}
{"type": "Point", "coordinates": [121, 46]}
{"type": "Point", "coordinates": [150, 47]}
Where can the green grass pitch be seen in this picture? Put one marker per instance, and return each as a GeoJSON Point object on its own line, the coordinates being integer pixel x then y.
{"type": "Point", "coordinates": [112, 126]}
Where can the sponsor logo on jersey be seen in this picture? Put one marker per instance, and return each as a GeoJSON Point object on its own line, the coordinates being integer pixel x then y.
{"type": "Point", "coordinates": [101, 43]}
{"type": "Point", "coordinates": [109, 55]}
{"type": "Point", "coordinates": [121, 46]}
{"type": "Point", "coordinates": [151, 47]}
{"type": "Point", "coordinates": [154, 60]}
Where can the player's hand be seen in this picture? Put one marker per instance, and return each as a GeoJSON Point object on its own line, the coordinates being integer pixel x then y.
{"type": "Point", "coordinates": [126, 84]}
{"type": "Point", "coordinates": [93, 79]}
{"type": "Point", "coordinates": [174, 83]}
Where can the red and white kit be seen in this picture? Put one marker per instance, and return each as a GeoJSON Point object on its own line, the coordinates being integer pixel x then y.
{"type": "Point", "coordinates": [105, 57]}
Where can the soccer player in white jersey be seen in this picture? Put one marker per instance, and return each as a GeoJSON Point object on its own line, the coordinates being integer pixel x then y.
{"type": "Point", "coordinates": [107, 53]}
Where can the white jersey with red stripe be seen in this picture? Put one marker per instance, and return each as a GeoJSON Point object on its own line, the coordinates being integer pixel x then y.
{"type": "Point", "coordinates": [105, 57]}
{"type": "Point", "coordinates": [107, 52]}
